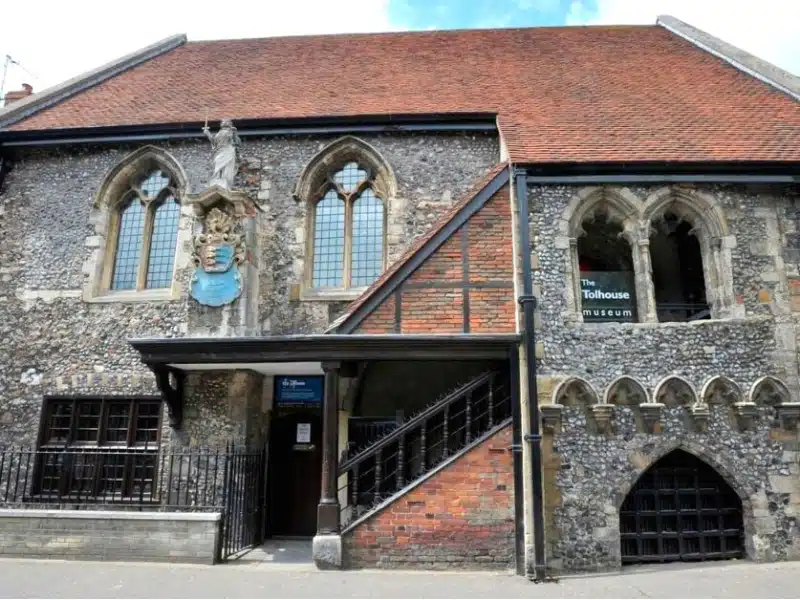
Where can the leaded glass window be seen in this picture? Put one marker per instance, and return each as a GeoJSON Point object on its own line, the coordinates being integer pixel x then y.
{"type": "Point", "coordinates": [146, 235]}
{"type": "Point", "coordinates": [348, 231]}
{"type": "Point", "coordinates": [367, 250]}
{"type": "Point", "coordinates": [329, 241]}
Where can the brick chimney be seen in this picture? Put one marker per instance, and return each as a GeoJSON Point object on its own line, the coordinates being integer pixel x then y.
{"type": "Point", "coordinates": [13, 96]}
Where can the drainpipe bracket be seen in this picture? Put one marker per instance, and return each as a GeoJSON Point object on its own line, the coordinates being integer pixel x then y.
{"type": "Point", "coordinates": [532, 437]}
{"type": "Point", "coordinates": [526, 298]}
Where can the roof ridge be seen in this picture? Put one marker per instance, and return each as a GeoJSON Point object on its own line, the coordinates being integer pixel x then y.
{"type": "Point", "coordinates": [426, 32]}
{"type": "Point", "coordinates": [427, 243]}
{"type": "Point", "coordinates": [748, 63]}
{"type": "Point", "coordinates": [22, 109]}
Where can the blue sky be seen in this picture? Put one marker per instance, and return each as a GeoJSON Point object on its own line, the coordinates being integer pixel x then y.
{"type": "Point", "coordinates": [460, 14]}
{"type": "Point", "coordinates": [47, 52]}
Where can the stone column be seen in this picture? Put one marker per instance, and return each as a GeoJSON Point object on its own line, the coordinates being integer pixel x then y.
{"type": "Point", "coordinates": [327, 545]}
{"type": "Point", "coordinates": [575, 302]}
{"type": "Point", "coordinates": [643, 276]}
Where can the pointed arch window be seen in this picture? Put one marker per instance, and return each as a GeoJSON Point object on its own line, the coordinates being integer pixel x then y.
{"type": "Point", "coordinates": [348, 230]}
{"type": "Point", "coordinates": [145, 234]}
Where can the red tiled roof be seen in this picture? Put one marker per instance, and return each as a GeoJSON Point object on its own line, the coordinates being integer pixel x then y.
{"type": "Point", "coordinates": [418, 243]}
{"type": "Point", "coordinates": [566, 94]}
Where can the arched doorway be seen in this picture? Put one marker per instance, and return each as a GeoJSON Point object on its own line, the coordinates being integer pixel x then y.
{"type": "Point", "coordinates": [681, 509]}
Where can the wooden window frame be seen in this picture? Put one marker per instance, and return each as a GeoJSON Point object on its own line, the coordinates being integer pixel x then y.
{"type": "Point", "coordinates": [97, 448]}
{"type": "Point", "coordinates": [349, 199]}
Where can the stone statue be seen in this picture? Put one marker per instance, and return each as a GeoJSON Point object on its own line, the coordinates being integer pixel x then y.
{"type": "Point", "coordinates": [225, 143]}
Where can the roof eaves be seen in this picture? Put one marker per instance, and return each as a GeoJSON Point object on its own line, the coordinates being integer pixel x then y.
{"type": "Point", "coordinates": [23, 109]}
{"type": "Point", "coordinates": [747, 63]}
{"type": "Point", "coordinates": [402, 269]}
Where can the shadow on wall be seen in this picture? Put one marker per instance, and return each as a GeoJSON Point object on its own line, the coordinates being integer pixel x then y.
{"type": "Point", "coordinates": [410, 386]}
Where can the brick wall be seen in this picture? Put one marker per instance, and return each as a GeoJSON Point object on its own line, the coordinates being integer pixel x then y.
{"type": "Point", "coordinates": [465, 286]}
{"type": "Point", "coordinates": [461, 517]}
{"type": "Point", "coordinates": [109, 535]}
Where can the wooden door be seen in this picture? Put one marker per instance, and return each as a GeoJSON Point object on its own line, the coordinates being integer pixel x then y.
{"type": "Point", "coordinates": [295, 472]}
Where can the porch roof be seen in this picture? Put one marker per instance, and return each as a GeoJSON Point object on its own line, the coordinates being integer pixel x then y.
{"type": "Point", "coordinates": [184, 353]}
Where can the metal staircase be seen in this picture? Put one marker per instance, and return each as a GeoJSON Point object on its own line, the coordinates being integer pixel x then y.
{"type": "Point", "coordinates": [387, 467]}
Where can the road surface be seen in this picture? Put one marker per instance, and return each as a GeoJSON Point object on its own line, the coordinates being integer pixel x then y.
{"type": "Point", "coordinates": [73, 579]}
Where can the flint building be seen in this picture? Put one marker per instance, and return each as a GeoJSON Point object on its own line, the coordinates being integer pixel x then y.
{"type": "Point", "coordinates": [507, 299]}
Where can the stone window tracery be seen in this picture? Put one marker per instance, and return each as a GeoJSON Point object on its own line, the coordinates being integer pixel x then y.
{"type": "Point", "coordinates": [348, 240]}
{"type": "Point", "coordinates": [659, 259]}
{"type": "Point", "coordinates": [348, 188]}
{"type": "Point", "coordinates": [141, 230]}
{"type": "Point", "coordinates": [146, 235]}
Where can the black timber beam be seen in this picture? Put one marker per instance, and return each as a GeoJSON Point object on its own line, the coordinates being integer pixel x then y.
{"type": "Point", "coordinates": [183, 351]}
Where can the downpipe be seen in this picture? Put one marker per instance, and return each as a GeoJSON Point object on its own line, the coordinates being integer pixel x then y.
{"type": "Point", "coordinates": [528, 302]}
{"type": "Point", "coordinates": [5, 167]}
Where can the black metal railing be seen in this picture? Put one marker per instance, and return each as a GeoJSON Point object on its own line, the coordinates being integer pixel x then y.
{"type": "Point", "coordinates": [362, 431]}
{"type": "Point", "coordinates": [369, 475]}
{"type": "Point", "coordinates": [245, 502]}
{"type": "Point", "coordinates": [227, 479]}
{"type": "Point", "coordinates": [682, 311]}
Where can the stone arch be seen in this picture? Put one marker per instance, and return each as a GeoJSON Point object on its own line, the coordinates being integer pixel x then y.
{"type": "Point", "coordinates": [626, 391]}
{"type": "Point", "coordinates": [721, 390]}
{"type": "Point", "coordinates": [622, 205]}
{"type": "Point", "coordinates": [707, 224]}
{"type": "Point", "coordinates": [707, 218]}
{"type": "Point", "coordinates": [373, 195]}
{"type": "Point", "coordinates": [769, 391]}
{"type": "Point", "coordinates": [121, 183]}
{"type": "Point", "coordinates": [601, 224]}
{"type": "Point", "coordinates": [701, 452]}
{"type": "Point", "coordinates": [644, 463]}
{"type": "Point", "coordinates": [673, 391]}
{"type": "Point", "coordinates": [123, 175]}
{"type": "Point", "coordinates": [575, 392]}
{"type": "Point", "coordinates": [349, 148]}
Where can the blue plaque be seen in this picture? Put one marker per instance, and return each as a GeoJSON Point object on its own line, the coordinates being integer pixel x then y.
{"type": "Point", "coordinates": [217, 281]}
{"type": "Point", "coordinates": [299, 391]}
{"type": "Point", "coordinates": [218, 252]}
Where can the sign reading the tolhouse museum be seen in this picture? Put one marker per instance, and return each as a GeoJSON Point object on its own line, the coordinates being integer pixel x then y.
{"type": "Point", "coordinates": [607, 296]}
{"type": "Point", "coordinates": [298, 391]}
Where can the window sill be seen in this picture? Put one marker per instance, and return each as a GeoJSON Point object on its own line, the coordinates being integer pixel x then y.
{"type": "Point", "coordinates": [160, 295]}
{"type": "Point", "coordinates": [331, 295]}
{"type": "Point", "coordinates": [656, 324]}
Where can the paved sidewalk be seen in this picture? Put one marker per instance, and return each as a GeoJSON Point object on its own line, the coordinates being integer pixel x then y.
{"type": "Point", "coordinates": [258, 579]}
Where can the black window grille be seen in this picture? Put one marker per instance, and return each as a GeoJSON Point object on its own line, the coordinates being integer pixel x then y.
{"type": "Point", "coordinates": [112, 447]}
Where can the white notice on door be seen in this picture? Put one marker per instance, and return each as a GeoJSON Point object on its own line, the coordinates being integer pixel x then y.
{"type": "Point", "coordinates": [303, 433]}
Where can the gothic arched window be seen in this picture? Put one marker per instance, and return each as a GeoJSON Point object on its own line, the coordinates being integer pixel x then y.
{"type": "Point", "coordinates": [144, 234]}
{"type": "Point", "coordinates": [348, 230]}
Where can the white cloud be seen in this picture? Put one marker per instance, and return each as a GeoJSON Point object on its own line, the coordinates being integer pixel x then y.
{"type": "Point", "coordinates": [768, 28]}
{"type": "Point", "coordinates": [58, 39]}
{"type": "Point", "coordinates": [539, 5]}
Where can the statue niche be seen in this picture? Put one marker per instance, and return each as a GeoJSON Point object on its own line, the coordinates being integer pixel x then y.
{"type": "Point", "coordinates": [220, 248]}
{"type": "Point", "coordinates": [225, 143]}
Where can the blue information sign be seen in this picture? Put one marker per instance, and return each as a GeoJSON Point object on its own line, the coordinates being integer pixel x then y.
{"type": "Point", "coordinates": [298, 391]}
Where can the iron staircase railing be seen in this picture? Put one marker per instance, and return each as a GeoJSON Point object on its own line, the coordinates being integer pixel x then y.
{"type": "Point", "coordinates": [370, 475]}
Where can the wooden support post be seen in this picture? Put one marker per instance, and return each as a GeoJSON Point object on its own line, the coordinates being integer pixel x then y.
{"type": "Point", "coordinates": [328, 509]}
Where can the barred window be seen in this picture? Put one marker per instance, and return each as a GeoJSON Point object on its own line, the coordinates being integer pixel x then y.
{"type": "Point", "coordinates": [348, 231]}
{"type": "Point", "coordinates": [98, 447]}
{"type": "Point", "coordinates": [146, 230]}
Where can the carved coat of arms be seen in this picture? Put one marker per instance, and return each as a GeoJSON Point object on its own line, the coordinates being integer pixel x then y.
{"type": "Point", "coordinates": [217, 253]}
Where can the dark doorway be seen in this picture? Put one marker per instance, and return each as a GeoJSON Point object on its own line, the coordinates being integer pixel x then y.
{"type": "Point", "coordinates": [295, 466]}
{"type": "Point", "coordinates": [681, 509]}
{"type": "Point", "coordinates": [678, 279]}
